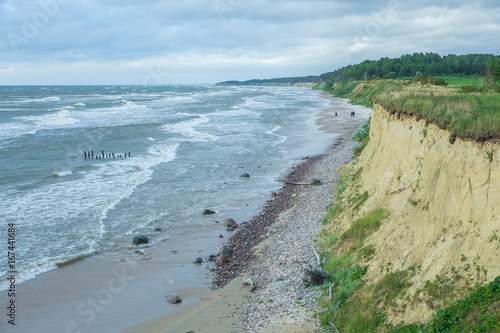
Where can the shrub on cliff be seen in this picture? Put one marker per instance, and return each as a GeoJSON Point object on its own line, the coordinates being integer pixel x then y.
{"type": "Point", "coordinates": [362, 132]}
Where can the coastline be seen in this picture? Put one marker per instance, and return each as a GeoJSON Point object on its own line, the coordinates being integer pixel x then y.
{"type": "Point", "coordinates": [130, 288]}
{"type": "Point", "coordinates": [281, 302]}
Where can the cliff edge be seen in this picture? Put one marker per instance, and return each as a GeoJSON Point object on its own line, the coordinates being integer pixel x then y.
{"type": "Point", "coordinates": [441, 238]}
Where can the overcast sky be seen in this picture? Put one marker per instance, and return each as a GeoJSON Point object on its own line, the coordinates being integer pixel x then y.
{"type": "Point", "coordinates": [206, 41]}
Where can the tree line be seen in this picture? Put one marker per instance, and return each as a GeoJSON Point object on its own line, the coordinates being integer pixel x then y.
{"type": "Point", "coordinates": [274, 81]}
{"type": "Point", "coordinates": [409, 65]}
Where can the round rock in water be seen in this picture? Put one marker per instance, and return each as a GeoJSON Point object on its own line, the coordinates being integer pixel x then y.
{"type": "Point", "coordinates": [208, 212]}
{"type": "Point", "coordinates": [174, 299]}
{"type": "Point", "coordinates": [198, 260]}
{"type": "Point", "coordinates": [245, 175]}
{"type": "Point", "coordinates": [141, 239]}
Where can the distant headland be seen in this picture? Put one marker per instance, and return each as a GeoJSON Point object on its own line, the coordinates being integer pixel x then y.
{"type": "Point", "coordinates": [302, 81]}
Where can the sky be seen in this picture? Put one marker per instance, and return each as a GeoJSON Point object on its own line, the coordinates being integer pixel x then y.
{"type": "Point", "coordinates": [87, 42]}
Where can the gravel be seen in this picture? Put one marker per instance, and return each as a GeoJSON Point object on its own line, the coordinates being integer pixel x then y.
{"type": "Point", "coordinates": [275, 247]}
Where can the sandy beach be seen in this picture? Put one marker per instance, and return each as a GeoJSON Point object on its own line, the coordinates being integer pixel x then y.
{"type": "Point", "coordinates": [274, 248]}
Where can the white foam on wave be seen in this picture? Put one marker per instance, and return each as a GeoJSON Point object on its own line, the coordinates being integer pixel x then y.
{"type": "Point", "coordinates": [249, 101]}
{"type": "Point", "coordinates": [69, 117]}
{"type": "Point", "coordinates": [63, 173]}
{"type": "Point", "coordinates": [30, 273]}
{"type": "Point", "coordinates": [281, 138]}
{"type": "Point", "coordinates": [51, 120]}
{"type": "Point", "coordinates": [157, 154]}
{"type": "Point", "coordinates": [44, 99]}
{"type": "Point", "coordinates": [238, 111]}
{"type": "Point", "coordinates": [181, 100]}
{"type": "Point", "coordinates": [126, 113]}
{"type": "Point", "coordinates": [80, 104]}
{"type": "Point", "coordinates": [74, 211]}
{"type": "Point", "coordinates": [15, 130]}
{"type": "Point", "coordinates": [186, 128]}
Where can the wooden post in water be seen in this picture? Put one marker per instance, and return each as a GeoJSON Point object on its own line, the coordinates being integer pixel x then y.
{"type": "Point", "coordinates": [85, 154]}
{"type": "Point", "coordinates": [92, 154]}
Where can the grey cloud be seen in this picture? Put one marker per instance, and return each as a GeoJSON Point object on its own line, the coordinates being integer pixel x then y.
{"type": "Point", "coordinates": [261, 38]}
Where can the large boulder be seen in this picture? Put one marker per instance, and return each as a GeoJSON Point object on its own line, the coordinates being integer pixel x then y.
{"type": "Point", "coordinates": [141, 239]}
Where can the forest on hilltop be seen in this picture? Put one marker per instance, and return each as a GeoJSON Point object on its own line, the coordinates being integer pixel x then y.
{"type": "Point", "coordinates": [409, 64]}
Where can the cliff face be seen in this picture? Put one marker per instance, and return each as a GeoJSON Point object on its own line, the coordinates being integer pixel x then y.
{"type": "Point", "coordinates": [444, 201]}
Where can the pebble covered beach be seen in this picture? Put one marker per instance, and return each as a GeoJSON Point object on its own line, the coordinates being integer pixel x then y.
{"type": "Point", "coordinates": [276, 245]}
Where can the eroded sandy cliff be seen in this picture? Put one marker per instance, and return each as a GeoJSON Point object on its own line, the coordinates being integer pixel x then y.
{"type": "Point", "coordinates": [444, 201]}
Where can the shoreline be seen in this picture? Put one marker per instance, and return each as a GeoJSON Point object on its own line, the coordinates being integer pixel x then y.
{"type": "Point", "coordinates": [272, 252]}
{"type": "Point", "coordinates": [49, 302]}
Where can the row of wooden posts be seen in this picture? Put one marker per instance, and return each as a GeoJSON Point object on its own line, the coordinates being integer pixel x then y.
{"type": "Point", "coordinates": [102, 155]}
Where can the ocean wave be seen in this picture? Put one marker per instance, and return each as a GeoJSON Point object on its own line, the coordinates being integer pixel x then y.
{"type": "Point", "coordinates": [127, 170]}
{"type": "Point", "coordinates": [44, 99]}
{"type": "Point", "coordinates": [30, 273]}
{"type": "Point", "coordinates": [75, 212]}
{"type": "Point", "coordinates": [186, 128]}
{"type": "Point", "coordinates": [62, 173]}
{"type": "Point", "coordinates": [238, 111]}
{"type": "Point", "coordinates": [15, 130]}
{"type": "Point", "coordinates": [281, 138]}
{"type": "Point", "coordinates": [51, 120]}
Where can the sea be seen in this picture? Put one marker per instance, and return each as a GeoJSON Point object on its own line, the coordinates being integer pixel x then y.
{"type": "Point", "coordinates": [84, 169]}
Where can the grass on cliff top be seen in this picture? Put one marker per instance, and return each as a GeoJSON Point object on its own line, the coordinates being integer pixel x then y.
{"type": "Point", "coordinates": [473, 115]}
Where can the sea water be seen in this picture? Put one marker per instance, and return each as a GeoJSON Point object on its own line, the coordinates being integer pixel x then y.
{"type": "Point", "coordinates": [169, 153]}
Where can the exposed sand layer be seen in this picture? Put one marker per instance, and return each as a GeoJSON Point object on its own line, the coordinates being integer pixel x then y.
{"type": "Point", "coordinates": [281, 302]}
{"type": "Point", "coordinates": [444, 200]}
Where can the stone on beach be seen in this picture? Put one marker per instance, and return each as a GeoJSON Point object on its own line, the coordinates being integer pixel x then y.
{"type": "Point", "coordinates": [228, 222]}
{"type": "Point", "coordinates": [198, 260]}
{"type": "Point", "coordinates": [141, 239]}
{"type": "Point", "coordinates": [224, 254]}
{"type": "Point", "coordinates": [174, 299]}
{"type": "Point", "coordinates": [291, 209]}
